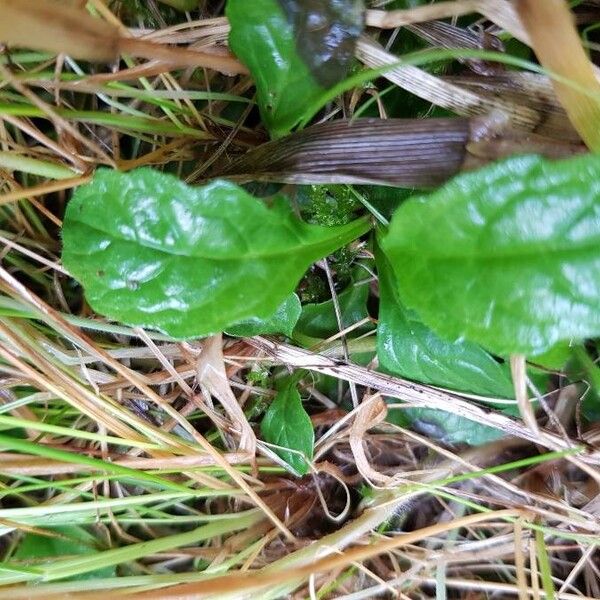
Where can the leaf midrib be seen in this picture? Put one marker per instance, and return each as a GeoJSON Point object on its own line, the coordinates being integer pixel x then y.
{"type": "Point", "coordinates": [299, 246]}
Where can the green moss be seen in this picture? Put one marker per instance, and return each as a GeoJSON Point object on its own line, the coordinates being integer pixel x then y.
{"type": "Point", "coordinates": [331, 205]}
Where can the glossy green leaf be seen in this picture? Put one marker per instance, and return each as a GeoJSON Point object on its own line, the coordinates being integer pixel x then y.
{"type": "Point", "coordinates": [263, 39]}
{"type": "Point", "coordinates": [408, 348]}
{"type": "Point", "coordinates": [294, 50]}
{"type": "Point", "coordinates": [286, 424]}
{"type": "Point", "coordinates": [318, 320]}
{"type": "Point", "coordinates": [282, 321]}
{"type": "Point", "coordinates": [507, 257]}
{"type": "Point", "coordinates": [326, 32]}
{"type": "Point", "coordinates": [153, 252]}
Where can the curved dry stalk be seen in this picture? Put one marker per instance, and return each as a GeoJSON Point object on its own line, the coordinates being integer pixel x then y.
{"type": "Point", "coordinates": [60, 28]}
{"type": "Point", "coordinates": [211, 375]}
{"type": "Point", "coordinates": [370, 413]}
{"type": "Point", "coordinates": [518, 368]}
{"type": "Point", "coordinates": [414, 393]}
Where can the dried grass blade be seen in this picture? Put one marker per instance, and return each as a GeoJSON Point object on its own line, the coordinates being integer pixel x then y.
{"type": "Point", "coordinates": [370, 413]}
{"type": "Point", "coordinates": [439, 92]}
{"type": "Point", "coordinates": [445, 35]}
{"type": "Point", "coordinates": [518, 368]}
{"type": "Point", "coordinates": [554, 38]}
{"type": "Point", "coordinates": [52, 317]}
{"type": "Point", "coordinates": [390, 19]}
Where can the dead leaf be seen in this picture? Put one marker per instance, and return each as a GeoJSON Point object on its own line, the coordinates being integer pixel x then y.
{"type": "Point", "coordinates": [210, 370]}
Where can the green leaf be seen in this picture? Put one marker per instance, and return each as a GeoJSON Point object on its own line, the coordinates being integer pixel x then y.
{"type": "Point", "coordinates": [326, 32]}
{"type": "Point", "coordinates": [444, 427]}
{"type": "Point", "coordinates": [590, 406]}
{"type": "Point", "coordinates": [153, 252]}
{"type": "Point", "coordinates": [69, 541]}
{"type": "Point", "coordinates": [545, 566]}
{"type": "Point", "coordinates": [282, 321]}
{"type": "Point", "coordinates": [287, 424]}
{"type": "Point", "coordinates": [555, 358]}
{"type": "Point", "coordinates": [408, 348]}
{"type": "Point", "coordinates": [319, 321]}
{"type": "Point", "coordinates": [507, 257]}
{"type": "Point", "coordinates": [294, 50]}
